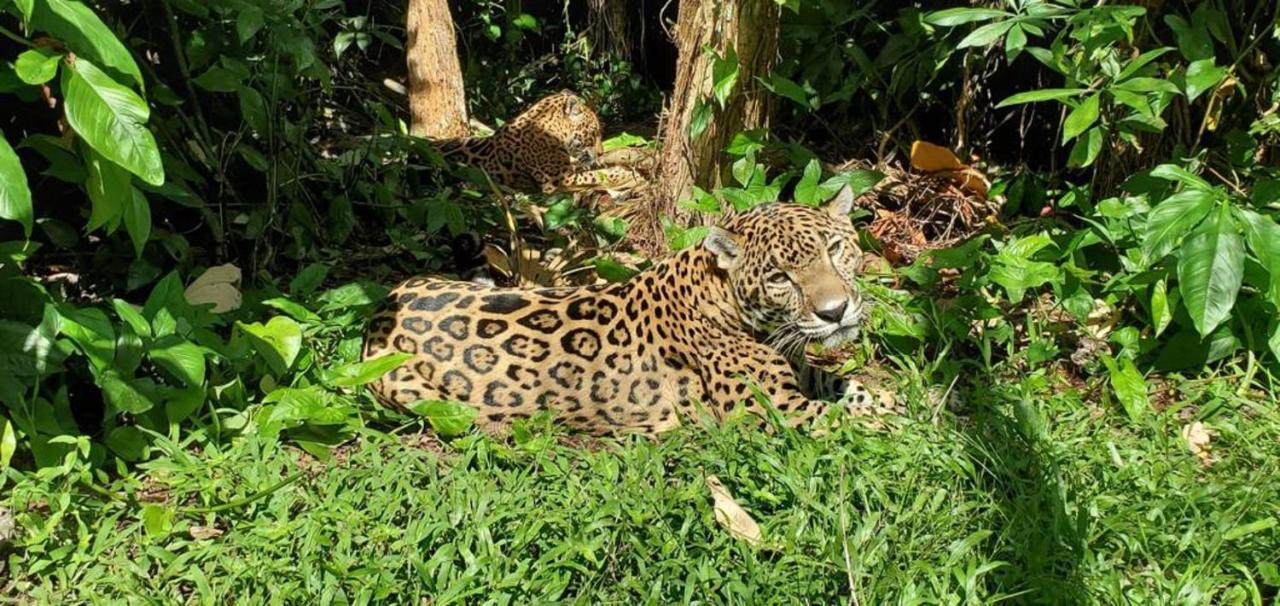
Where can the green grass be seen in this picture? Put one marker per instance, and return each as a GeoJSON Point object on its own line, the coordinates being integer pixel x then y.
{"type": "Point", "coordinates": [1028, 495]}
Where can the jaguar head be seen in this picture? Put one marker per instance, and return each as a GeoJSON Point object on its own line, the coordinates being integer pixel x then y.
{"type": "Point", "coordinates": [792, 270]}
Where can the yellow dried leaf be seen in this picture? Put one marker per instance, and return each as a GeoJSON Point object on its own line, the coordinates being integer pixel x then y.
{"type": "Point", "coordinates": [731, 515]}
{"type": "Point", "coordinates": [1198, 437]}
{"type": "Point", "coordinates": [932, 158]}
{"type": "Point", "coordinates": [204, 533]}
{"type": "Point", "coordinates": [217, 285]}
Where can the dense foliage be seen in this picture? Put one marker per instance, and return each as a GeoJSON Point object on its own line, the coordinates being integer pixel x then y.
{"type": "Point", "coordinates": [252, 158]}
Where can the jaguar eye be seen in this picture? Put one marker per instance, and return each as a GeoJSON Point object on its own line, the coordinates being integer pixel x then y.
{"type": "Point", "coordinates": [778, 278]}
{"type": "Point", "coordinates": [835, 248]}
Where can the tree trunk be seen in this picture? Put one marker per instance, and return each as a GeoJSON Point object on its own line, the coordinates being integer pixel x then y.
{"type": "Point", "coordinates": [437, 100]}
{"type": "Point", "coordinates": [750, 29]}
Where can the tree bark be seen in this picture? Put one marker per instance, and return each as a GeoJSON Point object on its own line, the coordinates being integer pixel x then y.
{"type": "Point", "coordinates": [437, 100]}
{"type": "Point", "coordinates": [750, 28]}
{"type": "Point", "coordinates": [607, 25]}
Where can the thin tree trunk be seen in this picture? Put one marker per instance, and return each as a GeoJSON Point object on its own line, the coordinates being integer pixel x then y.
{"type": "Point", "coordinates": [750, 29]}
{"type": "Point", "coordinates": [607, 24]}
{"type": "Point", "coordinates": [437, 100]}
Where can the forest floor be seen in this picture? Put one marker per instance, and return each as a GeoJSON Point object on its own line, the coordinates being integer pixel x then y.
{"type": "Point", "coordinates": [1029, 492]}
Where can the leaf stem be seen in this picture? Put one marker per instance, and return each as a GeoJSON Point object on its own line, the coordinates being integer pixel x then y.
{"type": "Point", "coordinates": [16, 38]}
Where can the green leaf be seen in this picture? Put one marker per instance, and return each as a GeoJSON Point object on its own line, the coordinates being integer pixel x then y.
{"type": "Point", "coordinates": [1044, 94]}
{"type": "Point", "coordinates": [1161, 306]}
{"type": "Point", "coordinates": [1129, 387]}
{"type": "Point", "coordinates": [623, 140]}
{"type": "Point", "coordinates": [109, 191]}
{"type": "Point", "coordinates": [15, 194]}
{"type": "Point", "coordinates": [1263, 235]}
{"type": "Point", "coordinates": [1140, 62]}
{"type": "Point", "coordinates": [1014, 42]}
{"type": "Point", "coordinates": [122, 395]}
{"type": "Point", "coordinates": [92, 332]}
{"type": "Point", "coordinates": [249, 20]}
{"type": "Point", "coordinates": [986, 34]}
{"type": "Point", "coordinates": [309, 279]}
{"type": "Point", "coordinates": [37, 66]}
{"type": "Point", "coordinates": [860, 181]}
{"type": "Point", "coordinates": [1171, 220]}
{"type": "Point", "coordinates": [359, 373]}
{"type": "Point", "coordinates": [8, 444]}
{"type": "Point", "coordinates": [25, 8]}
{"type": "Point", "coordinates": [180, 357]}
{"type": "Point", "coordinates": [218, 80]}
{"type": "Point", "coordinates": [1173, 172]}
{"type": "Point", "coordinates": [295, 310]}
{"type": "Point", "coordinates": [724, 76]}
{"type": "Point", "coordinates": [137, 220]}
{"type": "Point", "coordinates": [1210, 271]}
{"type": "Point", "coordinates": [781, 85]}
{"type": "Point", "coordinates": [807, 189]}
{"type": "Point", "coordinates": [1244, 530]}
{"type": "Point", "coordinates": [1086, 148]}
{"type": "Point", "coordinates": [1147, 85]}
{"type": "Point", "coordinates": [157, 519]}
{"type": "Point", "coordinates": [959, 16]}
{"type": "Point", "coordinates": [1203, 76]}
{"type": "Point", "coordinates": [132, 317]}
{"type": "Point", "coordinates": [447, 418]}
{"type": "Point", "coordinates": [279, 341]}
{"type": "Point", "coordinates": [700, 119]}
{"type": "Point", "coordinates": [1081, 118]}
{"type": "Point", "coordinates": [112, 120]}
{"type": "Point", "coordinates": [129, 443]}
{"type": "Point", "coordinates": [80, 29]}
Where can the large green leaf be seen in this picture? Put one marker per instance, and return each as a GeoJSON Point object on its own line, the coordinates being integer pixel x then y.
{"type": "Point", "coordinates": [137, 219]}
{"type": "Point", "coordinates": [1044, 94]}
{"type": "Point", "coordinates": [15, 194]}
{"type": "Point", "coordinates": [109, 191]}
{"type": "Point", "coordinates": [8, 444]}
{"type": "Point", "coordinates": [1210, 271]}
{"type": "Point", "coordinates": [447, 417]}
{"type": "Point", "coordinates": [986, 34]}
{"type": "Point", "coordinates": [1263, 234]}
{"type": "Point", "coordinates": [122, 395]}
{"type": "Point", "coordinates": [111, 119]}
{"type": "Point", "coordinates": [182, 358]}
{"type": "Point", "coordinates": [1081, 118]}
{"type": "Point", "coordinates": [279, 341]}
{"type": "Point", "coordinates": [359, 373]}
{"type": "Point", "coordinates": [76, 26]}
{"type": "Point", "coordinates": [959, 16]}
{"type": "Point", "coordinates": [1171, 220]}
{"type": "Point", "coordinates": [807, 189]}
{"type": "Point", "coordinates": [37, 66]}
{"type": "Point", "coordinates": [1129, 387]}
{"type": "Point", "coordinates": [91, 330]}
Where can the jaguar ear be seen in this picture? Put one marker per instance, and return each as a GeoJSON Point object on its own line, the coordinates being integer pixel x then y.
{"type": "Point", "coordinates": [572, 105]}
{"type": "Point", "coordinates": [724, 245]}
{"type": "Point", "coordinates": [840, 206]}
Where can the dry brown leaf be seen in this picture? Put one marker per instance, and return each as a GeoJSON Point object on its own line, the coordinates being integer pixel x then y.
{"type": "Point", "coordinates": [204, 533]}
{"type": "Point", "coordinates": [932, 158]}
{"type": "Point", "coordinates": [217, 285]}
{"type": "Point", "coordinates": [7, 527]}
{"type": "Point", "coordinates": [731, 515]}
{"type": "Point", "coordinates": [1198, 437]}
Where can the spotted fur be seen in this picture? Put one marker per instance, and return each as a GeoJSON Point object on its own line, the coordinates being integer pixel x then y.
{"type": "Point", "coordinates": [554, 145]}
{"type": "Point", "coordinates": [638, 356]}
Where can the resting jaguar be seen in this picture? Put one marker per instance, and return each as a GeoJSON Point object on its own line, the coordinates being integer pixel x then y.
{"type": "Point", "coordinates": [639, 356]}
{"type": "Point", "coordinates": [554, 145]}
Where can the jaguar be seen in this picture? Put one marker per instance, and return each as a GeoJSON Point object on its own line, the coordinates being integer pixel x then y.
{"type": "Point", "coordinates": [553, 146]}
{"type": "Point", "coordinates": [710, 327]}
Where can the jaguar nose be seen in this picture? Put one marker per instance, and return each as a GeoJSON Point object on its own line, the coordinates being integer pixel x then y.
{"type": "Point", "coordinates": [833, 311]}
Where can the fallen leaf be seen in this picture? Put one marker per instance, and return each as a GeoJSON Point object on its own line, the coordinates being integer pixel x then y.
{"type": "Point", "coordinates": [204, 533]}
{"type": "Point", "coordinates": [1198, 437]}
{"type": "Point", "coordinates": [217, 285]}
{"type": "Point", "coordinates": [731, 515]}
{"type": "Point", "coordinates": [932, 158]}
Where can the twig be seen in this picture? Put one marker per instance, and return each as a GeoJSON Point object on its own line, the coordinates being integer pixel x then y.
{"type": "Point", "coordinates": [844, 542]}
{"type": "Point", "coordinates": [241, 502]}
{"type": "Point", "coordinates": [16, 38]}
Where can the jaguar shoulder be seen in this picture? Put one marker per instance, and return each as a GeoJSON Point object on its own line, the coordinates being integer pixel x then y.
{"type": "Point", "coordinates": [639, 356]}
